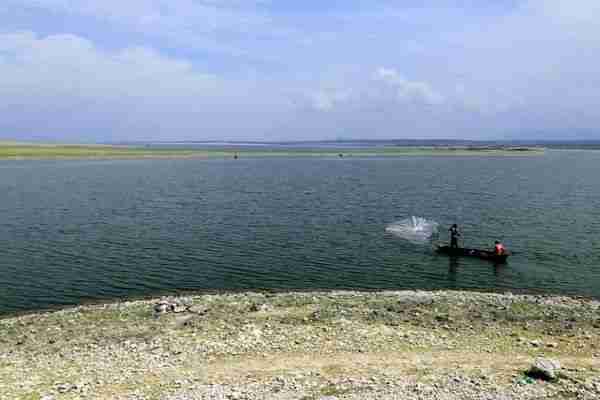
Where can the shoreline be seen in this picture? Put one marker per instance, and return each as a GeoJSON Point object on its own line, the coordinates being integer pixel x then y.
{"type": "Point", "coordinates": [275, 291]}
{"type": "Point", "coordinates": [305, 345]}
{"type": "Point", "coordinates": [108, 152]}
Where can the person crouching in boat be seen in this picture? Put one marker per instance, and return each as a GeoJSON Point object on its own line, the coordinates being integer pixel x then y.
{"type": "Point", "coordinates": [454, 236]}
{"type": "Point", "coordinates": [499, 248]}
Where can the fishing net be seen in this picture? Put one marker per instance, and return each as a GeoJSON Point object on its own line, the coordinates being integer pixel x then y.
{"type": "Point", "coordinates": [414, 229]}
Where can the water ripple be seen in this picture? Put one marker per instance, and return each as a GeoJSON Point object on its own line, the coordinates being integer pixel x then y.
{"type": "Point", "coordinates": [75, 231]}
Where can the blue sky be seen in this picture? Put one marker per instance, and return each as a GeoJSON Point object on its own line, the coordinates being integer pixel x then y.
{"type": "Point", "coordinates": [108, 70]}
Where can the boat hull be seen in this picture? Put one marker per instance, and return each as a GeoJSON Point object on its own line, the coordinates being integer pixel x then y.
{"type": "Point", "coordinates": [483, 254]}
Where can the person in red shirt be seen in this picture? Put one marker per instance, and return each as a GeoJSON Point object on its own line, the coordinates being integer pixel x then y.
{"type": "Point", "coordinates": [498, 248]}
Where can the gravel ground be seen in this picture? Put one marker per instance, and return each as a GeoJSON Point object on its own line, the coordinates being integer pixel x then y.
{"type": "Point", "coordinates": [325, 345]}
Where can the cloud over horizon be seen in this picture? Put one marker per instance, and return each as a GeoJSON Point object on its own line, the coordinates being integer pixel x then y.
{"type": "Point", "coordinates": [232, 70]}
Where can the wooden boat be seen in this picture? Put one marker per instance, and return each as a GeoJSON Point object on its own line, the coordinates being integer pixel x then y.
{"type": "Point", "coordinates": [484, 254]}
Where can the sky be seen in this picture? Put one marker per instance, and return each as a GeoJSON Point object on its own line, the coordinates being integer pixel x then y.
{"type": "Point", "coordinates": [269, 70]}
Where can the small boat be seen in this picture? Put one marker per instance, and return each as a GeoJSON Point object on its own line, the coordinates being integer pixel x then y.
{"type": "Point", "coordinates": [484, 254]}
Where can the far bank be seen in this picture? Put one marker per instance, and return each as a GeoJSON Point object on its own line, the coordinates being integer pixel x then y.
{"type": "Point", "coordinates": [24, 151]}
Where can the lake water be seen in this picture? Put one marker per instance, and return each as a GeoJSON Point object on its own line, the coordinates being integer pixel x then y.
{"type": "Point", "coordinates": [74, 231]}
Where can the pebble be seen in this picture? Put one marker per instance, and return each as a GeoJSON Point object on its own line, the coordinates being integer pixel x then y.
{"type": "Point", "coordinates": [63, 388]}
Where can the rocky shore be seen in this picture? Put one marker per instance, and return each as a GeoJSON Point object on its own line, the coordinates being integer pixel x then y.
{"type": "Point", "coordinates": [305, 346]}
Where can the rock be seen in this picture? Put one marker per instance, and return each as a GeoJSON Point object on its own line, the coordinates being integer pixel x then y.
{"type": "Point", "coordinates": [544, 368]}
{"type": "Point", "coordinates": [185, 320]}
{"type": "Point", "coordinates": [260, 307]}
{"type": "Point", "coordinates": [265, 308]}
{"type": "Point", "coordinates": [536, 343]}
{"type": "Point", "coordinates": [198, 309]}
{"type": "Point", "coordinates": [63, 388]}
{"type": "Point", "coordinates": [234, 396]}
{"type": "Point", "coordinates": [414, 298]}
{"type": "Point", "coordinates": [169, 305]}
{"type": "Point", "coordinates": [179, 308]}
{"type": "Point", "coordinates": [442, 318]}
{"type": "Point", "coordinates": [162, 306]}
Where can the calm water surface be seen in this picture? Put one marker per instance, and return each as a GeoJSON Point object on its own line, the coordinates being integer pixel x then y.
{"type": "Point", "coordinates": [74, 231]}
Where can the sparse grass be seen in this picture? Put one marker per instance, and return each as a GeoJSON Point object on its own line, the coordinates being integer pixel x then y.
{"type": "Point", "coordinates": [327, 390]}
{"type": "Point", "coordinates": [31, 396]}
{"type": "Point", "coordinates": [332, 390]}
{"type": "Point", "coordinates": [92, 151]}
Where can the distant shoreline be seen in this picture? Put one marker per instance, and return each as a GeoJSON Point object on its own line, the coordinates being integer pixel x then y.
{"type": "Point", "coordinates": [21, 151]}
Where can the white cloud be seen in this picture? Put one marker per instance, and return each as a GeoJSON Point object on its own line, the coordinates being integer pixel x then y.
{"type": "Point", "coordinates": [328, 99]}
{"type": "Point", "coordinates": [383, 68]}
{"type": "Point", "coordinates": [70, 64]}
{"type": "Point", "coordinates": [75, 87]}
{"type": "Point", "coordinates": [359, 91]}
{"type": "Point", "coordinates": [408, 90]}
{"type": "Point", "coordinates": [187, 24]}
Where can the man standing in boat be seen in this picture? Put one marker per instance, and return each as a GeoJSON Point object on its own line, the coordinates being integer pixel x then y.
{"type": "Point", "coordinates": [454, 236]}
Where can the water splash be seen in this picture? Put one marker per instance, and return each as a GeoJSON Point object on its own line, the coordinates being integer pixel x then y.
{"type": "Point", "coordinates": [414, 229]}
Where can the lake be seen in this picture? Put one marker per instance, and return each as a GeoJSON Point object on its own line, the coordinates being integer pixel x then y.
{"type": "Point", "coordinates": [88, 230]}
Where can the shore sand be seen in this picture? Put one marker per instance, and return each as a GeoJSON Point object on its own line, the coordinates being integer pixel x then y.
{"type": "Point", "coordinates": [316, 345]}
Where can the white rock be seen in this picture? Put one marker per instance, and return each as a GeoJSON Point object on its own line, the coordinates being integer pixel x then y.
{"type": "Point", "coordinates": [545, 368]}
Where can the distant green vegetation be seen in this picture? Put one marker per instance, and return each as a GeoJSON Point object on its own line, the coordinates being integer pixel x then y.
{"type": "Point", "coordinates": [16, 151]}
{"type": "Point", "coordinates": [11, 150]}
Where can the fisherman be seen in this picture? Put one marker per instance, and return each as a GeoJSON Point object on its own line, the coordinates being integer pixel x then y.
{"type": "Point", "coordinates": [454, 236]}
{"type": "Point", "coordinates": [498, 248]}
